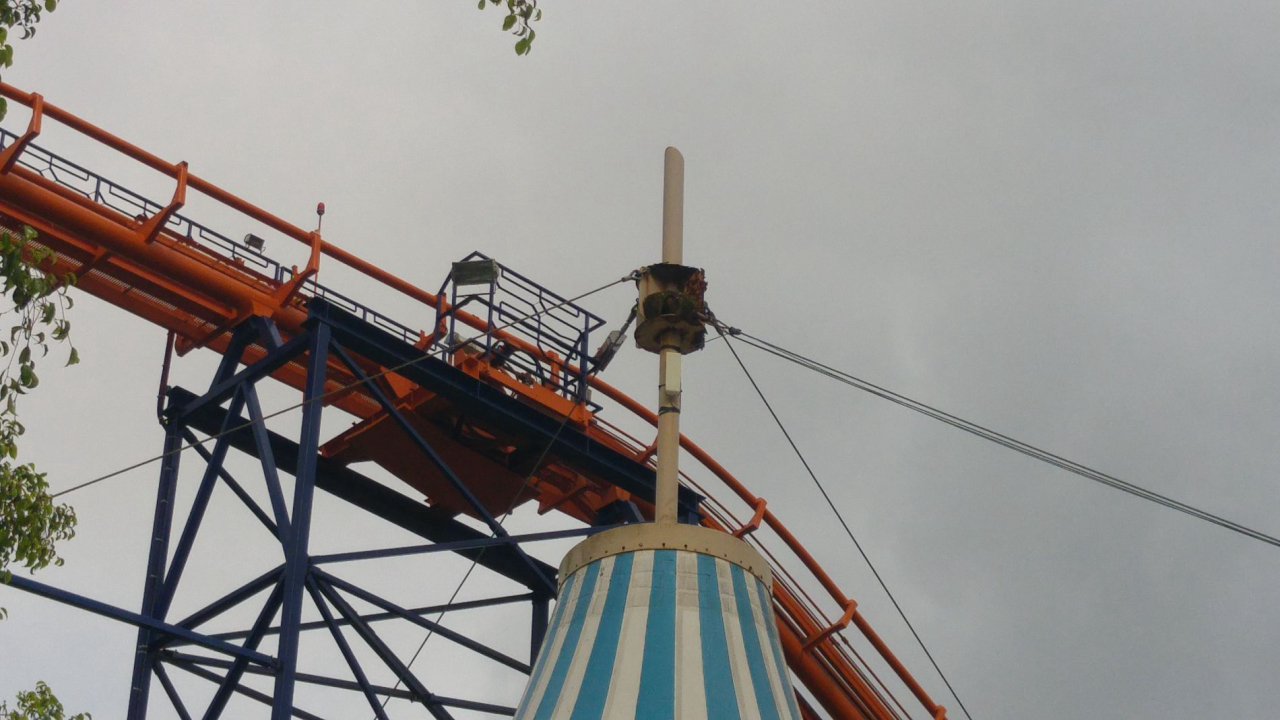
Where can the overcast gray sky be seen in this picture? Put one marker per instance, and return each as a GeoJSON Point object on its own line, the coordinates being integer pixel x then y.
{"type": "Point", "coordinates": [1054, 218]}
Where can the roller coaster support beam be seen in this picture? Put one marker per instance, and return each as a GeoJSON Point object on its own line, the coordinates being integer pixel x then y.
{"type": "Point", "coordinates": [494, 407]}
{"type": "Point", "coordinates": [297, 562]}
{"type": "Point", "coordinates": [298, 577]}
{"type": "Point", "coordinates": [390, 505]}
{"type": "Point", "coordinates": [142, 621]}
{"type": "Point", "coordinates": [144, 659]}
{"type": "Point", "coordinates": [434, 457]}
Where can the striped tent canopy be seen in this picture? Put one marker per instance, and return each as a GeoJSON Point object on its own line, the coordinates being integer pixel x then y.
{"type": "Point", "coordinates": [661, 635]}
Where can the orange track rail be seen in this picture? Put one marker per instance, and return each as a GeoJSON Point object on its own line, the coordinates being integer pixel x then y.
{"type": "Point", "coordinates": [140, 266]}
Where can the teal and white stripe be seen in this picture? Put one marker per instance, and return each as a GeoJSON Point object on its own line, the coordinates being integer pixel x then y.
{"type": "Point", "coordinates": [661, 635]}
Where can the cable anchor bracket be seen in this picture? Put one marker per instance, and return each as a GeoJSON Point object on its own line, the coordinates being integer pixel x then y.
{"type": "Point", "coordinates": [671, 308]}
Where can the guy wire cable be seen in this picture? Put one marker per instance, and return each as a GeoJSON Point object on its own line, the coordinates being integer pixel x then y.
{"type": "Point", "coordinates": [1000, 439]}
{"type": "Point", "coordinates": [830, 503]}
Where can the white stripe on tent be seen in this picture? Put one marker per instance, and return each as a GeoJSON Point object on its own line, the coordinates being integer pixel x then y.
{"type": "Point", "coordinates": [766, 628]}
{"type": "Point", "coordinates": [747, 707]}
{"type": "Point", "coordinates": [624, 686]}
{"type": "Point", "coordinates": [550, 650]}
{"type": "Point", "coordinates": [582, 653]}
{"type": "Point", "coordinates": [775, 643]}
{"type": "Point", "coordinates": [691, 694]}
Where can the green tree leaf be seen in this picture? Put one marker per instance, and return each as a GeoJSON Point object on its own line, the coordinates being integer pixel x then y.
{"type": "Point", "coordinates": [38, 704]}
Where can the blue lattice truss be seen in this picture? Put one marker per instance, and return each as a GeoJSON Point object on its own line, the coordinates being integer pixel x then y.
{"type": "Point", "coordinates": [331, 332]}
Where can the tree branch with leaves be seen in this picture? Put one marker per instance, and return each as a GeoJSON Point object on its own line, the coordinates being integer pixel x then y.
{"type": "Point", "coordinates": [20, 15]}
{"type": "Point", "coordinates": [38, 704]}
{"type": "Point", "coordinates": [31, 523]}
{"type": "Point", "coordinates": [520, 13]}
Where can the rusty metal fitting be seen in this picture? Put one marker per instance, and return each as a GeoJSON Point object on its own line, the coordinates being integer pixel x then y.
{"type": "Point", "coordinates": [671, 308]}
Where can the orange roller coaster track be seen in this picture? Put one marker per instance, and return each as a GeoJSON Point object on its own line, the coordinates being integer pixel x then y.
{"type": "Point", "coordinates": [162, 267]}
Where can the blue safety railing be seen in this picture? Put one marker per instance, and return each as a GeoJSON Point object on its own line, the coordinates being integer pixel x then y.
{"type": "Point", "coordinates": [525, 309]}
